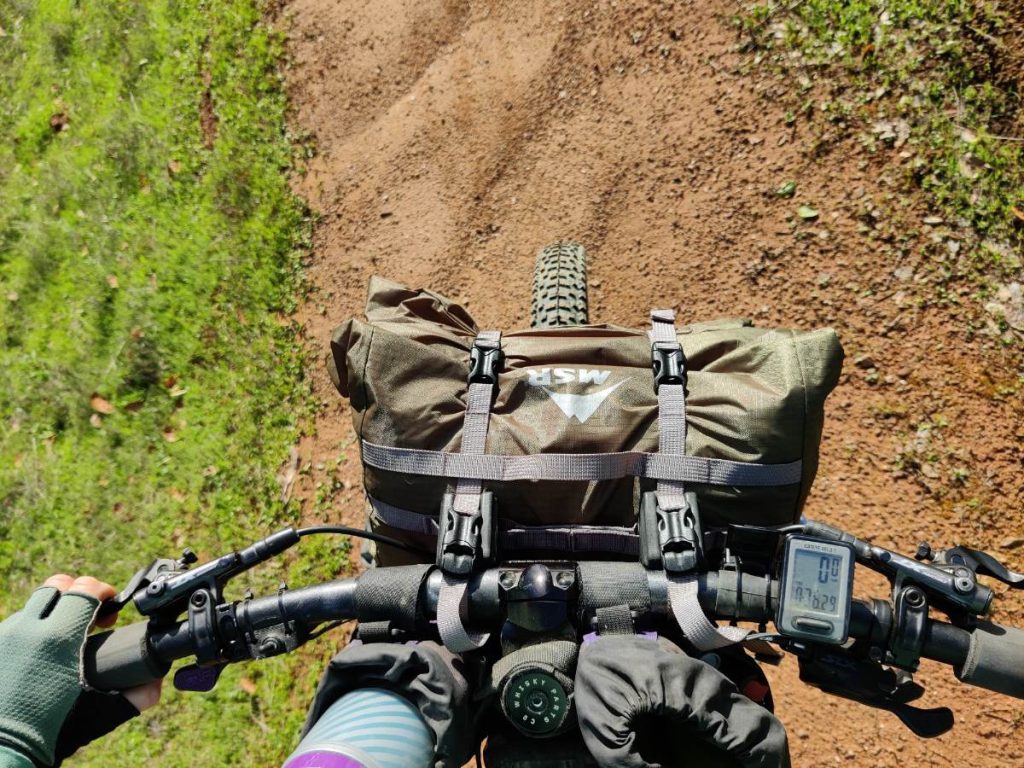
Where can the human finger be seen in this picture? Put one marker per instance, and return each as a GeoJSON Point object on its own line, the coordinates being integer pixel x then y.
{"type": "Point", "coordinates": [144, 696]}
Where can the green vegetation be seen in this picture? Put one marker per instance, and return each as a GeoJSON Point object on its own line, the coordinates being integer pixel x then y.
{"type": "Point", "coordinates": [931, 79]}
{"type": "Point", "coordinates": [150, 382]}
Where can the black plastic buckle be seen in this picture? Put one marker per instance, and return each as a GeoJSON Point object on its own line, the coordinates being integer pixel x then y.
{"type": "Point", "coordinates": [465, 541]}
{"type": "Point", "coordinates": [669, 364]}
{"type": "Point", "coordinates": [670, 538]}
{"type": "Point", "coordinates": [484, 364]}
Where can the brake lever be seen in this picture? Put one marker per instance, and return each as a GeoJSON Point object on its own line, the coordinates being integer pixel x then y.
{"type": "Point", "coordinates": [143, 577]}
{"type": "Point", "coordinates": [981, 563]}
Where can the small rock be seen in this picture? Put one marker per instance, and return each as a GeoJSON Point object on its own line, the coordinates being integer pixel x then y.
{"type": "Point", "coordinates": [824, 279]}
{"type": "Point", "coordinates": [1011, 543]}
{"type": "Point", "coordinates": [903, 273]}
{"type": "Point", "coordinates": [1009, 305]}
{"type": "Point", "coordinates": [865, 362]}
{"type": "Point", "coordinates": [894, 132]}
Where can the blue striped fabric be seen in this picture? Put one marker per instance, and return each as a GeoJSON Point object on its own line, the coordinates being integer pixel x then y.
{"type": "Point", "coordinates": [377, 727]}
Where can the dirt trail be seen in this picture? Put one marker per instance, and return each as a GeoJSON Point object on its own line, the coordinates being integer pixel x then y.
{"type": "Point", "coordinates": [456, 138]}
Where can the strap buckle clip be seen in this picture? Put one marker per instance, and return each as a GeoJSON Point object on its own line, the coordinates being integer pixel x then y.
{"type": "Point", "coordinates": [671, 539]}
{"type": "Point", "coordinates": [669, 364]}
{"type": "Point", "coordinates": [464, 541]}
{"type": "Point", "coordinates": [484, 364]}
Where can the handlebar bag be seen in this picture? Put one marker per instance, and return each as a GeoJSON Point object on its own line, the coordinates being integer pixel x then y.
{"type": "Point", "coordinates": [752, 396]}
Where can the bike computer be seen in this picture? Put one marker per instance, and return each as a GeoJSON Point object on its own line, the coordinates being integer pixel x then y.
{"type": "Point", "coordinates": [815, 590]}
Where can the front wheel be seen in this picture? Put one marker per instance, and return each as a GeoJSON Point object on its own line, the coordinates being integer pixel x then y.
{"type": "Point", "coordinates": [560, 286]}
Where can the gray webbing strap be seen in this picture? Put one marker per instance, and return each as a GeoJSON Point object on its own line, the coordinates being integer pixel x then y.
{"type": "Point", "coordinates": [474, 430]}
{"type": "Point", "coordinates": [704, 634]}
{"type": "Point", "coordinates": [671, 411]}
{"type": "Point", "coordinates": [682, 591]}
{"type": "Point", "coordinates": [452, 596]}
{"type": "Point", "coordinates": [452, 602]}
{"type": "Point", "coordinates": [610, 539]}
{"type": "Point", "coordinates": [579, 466]}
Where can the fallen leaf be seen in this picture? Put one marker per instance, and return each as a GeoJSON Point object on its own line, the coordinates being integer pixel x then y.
{"type": "Point", "coordinates": [969, 136]}
{"type": "Point", "coordinates": [178, 391]}
{"type": "Point", "coordinates": [170, 435]}
{"type": "Point", "coordinates": [1011, 543]}
{"type": "Point", "coordinates": [101, 405]}
{"type": "Point", "coordinates": [170, 381]}
{"type": "Point", "coordinates": [112, 281]}
{"type": "Point", "coordinates": [12, 296]}
{"type": "Point", "coordinates": [247, 685]}
{"type": "Point", "coordinates": [174, 167]}
{"type": "Point", "coordinates": [932, 220]}
{"type": "Point", "coordinates": [135, 406]}
{"type": "Point", "coordinates": [210, 471]}
{"type": "Point", "coordinates": [96, 421]}
{"type": "Point", "coordinates": [1017, 212]}
{"type": "Point", "coordinates": [787, 189]}
{"type": "Point", "coordinates": [806, 213]}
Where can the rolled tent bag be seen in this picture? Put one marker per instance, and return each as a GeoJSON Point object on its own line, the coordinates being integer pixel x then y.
{"type": "Point", "coordinates": [572, 439]}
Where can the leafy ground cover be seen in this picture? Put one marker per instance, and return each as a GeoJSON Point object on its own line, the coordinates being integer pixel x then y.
{"type": "Point", "coordinates": [150, 382]}
{"type": "Point", "coordinates": [935, 84]}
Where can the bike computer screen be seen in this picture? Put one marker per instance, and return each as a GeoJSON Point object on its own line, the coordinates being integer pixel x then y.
{"type": "Point", "coordinates": [815, 590]}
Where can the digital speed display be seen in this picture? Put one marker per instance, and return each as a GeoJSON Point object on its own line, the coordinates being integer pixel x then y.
{"type": "Point", "coordinates": [815, 581]}
{"type": "Point", "coordinates": [815, 589]}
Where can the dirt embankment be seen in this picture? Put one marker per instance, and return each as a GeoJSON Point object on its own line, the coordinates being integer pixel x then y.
{"type": "Point", "coordinates": [456, 138]}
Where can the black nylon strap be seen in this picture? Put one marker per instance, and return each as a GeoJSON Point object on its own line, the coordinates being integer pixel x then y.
{"type": "Point", "coordinates": [609, 584]}
{"type": "Point", "coordinates": [615, 620]}
{"type": "Point", "coordinates": [391, 594]}
{"type": "Point", "coordinates": [376, 631]}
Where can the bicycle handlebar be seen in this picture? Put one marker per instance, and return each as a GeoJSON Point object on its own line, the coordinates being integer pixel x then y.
{"type": "Point", "coordinates": [990, 656]}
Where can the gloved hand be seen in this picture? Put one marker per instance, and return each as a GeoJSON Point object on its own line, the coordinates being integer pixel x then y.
{"type": "Point", "coordinates": [645, 704]}
{"type": "Point", "coordinates": [45, 714]}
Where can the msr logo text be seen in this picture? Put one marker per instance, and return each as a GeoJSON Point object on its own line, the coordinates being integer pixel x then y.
{"type": "Point", "coordinates": [545, 377]}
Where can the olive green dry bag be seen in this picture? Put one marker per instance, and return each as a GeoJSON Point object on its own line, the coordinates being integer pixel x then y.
{"type": "Point", "coordinates": [571, 433]}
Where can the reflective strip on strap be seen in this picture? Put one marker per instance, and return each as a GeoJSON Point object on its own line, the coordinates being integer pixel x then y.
{"type": "Point", "coordinates": [704, 634]}
{"type": "Point", "coordinates": [671, 413]}
{"type": "Point", "coordinates": [514, 537]}
{"type": "Point", "coordinates": [580, 466]}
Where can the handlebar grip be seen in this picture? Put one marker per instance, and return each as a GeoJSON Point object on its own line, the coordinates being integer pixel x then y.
{"type": "Point", "coordinates": [121, 658]}
{"type": "Point", "coordinates": [995, 660]}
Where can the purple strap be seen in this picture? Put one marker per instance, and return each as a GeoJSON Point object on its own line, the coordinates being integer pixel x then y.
{"type": "Point", "coordinates": [323, 760]}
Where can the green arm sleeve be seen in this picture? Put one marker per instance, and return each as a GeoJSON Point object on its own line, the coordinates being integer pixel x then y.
{"type": "Point", "coordinates": [12, 759]}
